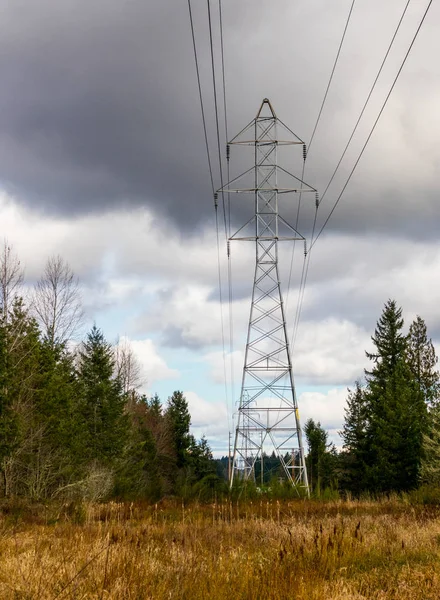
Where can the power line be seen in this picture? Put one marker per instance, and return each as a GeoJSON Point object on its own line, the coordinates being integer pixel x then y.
{"type": "Point", "coordinates": [305, 149]}
{"type": "Point", "coordinates": [200, 95]}
{"type": "Point", "coordinates": [304, 273]}
{"type": "Point", "coordinates": [230, 291]}
{"type": "Point", "coordinates": [296, 225]}
{"type": "Point", "coordinates": [332, 73]}
{"type": "Point", "coordinates": [223, 67]}
{"type": "Point", "coordinates": [221, 180]}
{"type": "Point", "coordinates": [216, 113]}
{"type": "Point", "coordinates": [221, 309]}
{"type": "Point", "coordinates": [231, 328]}
{"type": "Point", "coordinates": [374, 124]}
{"type": "Point", "coordinates": [213, 192]}
{"type": "Point", "coordinates": [357, 162]}
{"type": "Point", "coordinates": [305, 154]}
{"type": "Point", "coordinates": [302, 286]}
{"type": "Point", "coordinates": [368, 99]}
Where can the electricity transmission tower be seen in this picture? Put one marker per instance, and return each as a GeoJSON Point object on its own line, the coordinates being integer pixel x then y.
{"type": "Point", "coordinates": [268, 415]}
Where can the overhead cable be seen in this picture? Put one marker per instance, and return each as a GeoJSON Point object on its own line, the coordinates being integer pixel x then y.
{"type": "Point", "coordinates": [332, 73]}
{"type": "Point", "coordinates": [230, 291]}
{"type": "Point", "coordinates": [221, 309]}
{"type": "Point", "coordinates": [304, 273]}
{"type": "Point", "coordinates": [200, 95]}
{"type": "Point", "coordinates": [368, 99]}
{"type": "Point", "coordinates": [214, 84]}
{"type": "Point", "coordinates": [307, 149]}
{"type": "Point", "coordinates": [223, 67]}
{"type": "Point", "coordinates": [314, 240]}
{"type": "Point", "coordinates": [215, 200]}
{"type": "Point", "coordinates": [374, 124]}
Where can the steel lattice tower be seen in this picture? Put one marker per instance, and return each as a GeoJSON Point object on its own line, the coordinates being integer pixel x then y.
{"type": "Point", "coordinates": [268, 410]}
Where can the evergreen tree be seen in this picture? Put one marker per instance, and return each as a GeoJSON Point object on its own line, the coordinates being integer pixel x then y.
{"type": "Point", "coordinates": [23, 349]}
{"type": "Point", "coordinates": [422, 361]}
{"type": "Point", "coordinates": [23, 467]}
{"type": "Point", "coordinates": [355, 439]}
{"type": "Point", "coordinates": [105, 423]}
{"type": "Point", "coordinates": [207, 484]}
{"type": "Point", "coordinates": [200, 458]}
{"type": "Point", "coordinates": [395, 433]}
{"type": "Point", "coordinates": [158, 423]}
{"type": "Point", "coordinates": [385, 423]}
{"type": "Point", "coordinates": [154, 412]}
{"type": "Point", "coordinates": [430, 471]}
{"type": "Point", "coordinates": [57, 404]}
{"type": "Point", "coordinates": [395, 412]}
{"type": "Point", "coordinates": [179, 420]}
{"type": "Point", "coordinates": [8, 418]}
{"type": "Point", "coordinates": [139, 474]}
{"type": "Point", "coordinates": [390, 344]}
{"type": "Point", "coordinates": [321, 457]}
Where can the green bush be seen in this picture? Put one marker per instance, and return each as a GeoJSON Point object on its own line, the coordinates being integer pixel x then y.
{"type": "Point", "coordinates": [209, 488]}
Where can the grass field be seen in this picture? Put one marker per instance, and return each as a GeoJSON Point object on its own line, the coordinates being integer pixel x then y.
{"type": "Point", "coordinates": [254, 550]}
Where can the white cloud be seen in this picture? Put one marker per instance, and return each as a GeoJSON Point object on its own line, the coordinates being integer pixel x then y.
{"type": "Point", "coordinates": [219, 365]}
{"type": "Point", "coordinates": [188, 316]}
{"type": "Point", "coordinates": [326, 408]}
{"type": "Point", "coordinates": [209, 419]}
{"type": "Point", "coordinates": [153, 366]}
{"type": "Point", "coordinates": [127, 243]}
{"type": "Point", "coordinates": [330, 352]}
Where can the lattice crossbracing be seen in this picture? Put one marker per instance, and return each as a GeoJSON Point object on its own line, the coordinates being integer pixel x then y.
{"type": "Point", "coordinates": [268, 418]}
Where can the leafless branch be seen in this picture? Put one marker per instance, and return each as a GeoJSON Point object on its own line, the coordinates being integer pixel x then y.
{"type": "Point", "coordinates": [57, 301]}
{"type": "Point", "coordinates": [11, 278]}
{"type": "Point", "coordinates": [127, 366]}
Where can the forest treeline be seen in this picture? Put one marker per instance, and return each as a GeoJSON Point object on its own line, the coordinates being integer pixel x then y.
{"type": "Point", "coordinates": [72, 423]}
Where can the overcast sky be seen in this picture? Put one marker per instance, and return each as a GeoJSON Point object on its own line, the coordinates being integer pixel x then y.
{"type": "Point", "coordinates": [102, 161]}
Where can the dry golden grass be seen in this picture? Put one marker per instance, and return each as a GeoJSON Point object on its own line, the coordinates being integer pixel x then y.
{"type": "Point", "coordinates": [260, 550]}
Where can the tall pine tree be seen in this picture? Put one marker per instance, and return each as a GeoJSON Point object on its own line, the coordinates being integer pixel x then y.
{"type": "Point", "coordinates": [139, 474]}
{"type": "Point", "coordinates": [8, 417]}
{"type": "Point", "coordinates": [321, 457]}
{"type": "Point", "coordinates": [384, 424]}
{"type": "Point", "coordinates": [422, 361]}
{"type": "Point", "coordinates": [23, 468]}
{"type": "Point", "coordinates": [354, 434]}
{"type": "Point", "coordinates": [103, 402]}
{"type": "Point", "coordinates": [179, 420]}
{"type": "Point", "coordinates": [430, 471]}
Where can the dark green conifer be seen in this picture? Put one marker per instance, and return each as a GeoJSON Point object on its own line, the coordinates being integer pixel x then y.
{"type": "Point", "coordinates": [103, 402]}
{"type": "Point", "coordinates": [422, 361]}
{"type": "Point", "coordinates": [179, 420]}
{"type": "Point", "coordinates": [385, 422]}
{"type": "Point", "coordinates": [354, 434]}
{"type": "Point", "coordinates": [321, 457]}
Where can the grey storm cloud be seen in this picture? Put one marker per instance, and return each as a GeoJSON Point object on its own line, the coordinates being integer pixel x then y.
{"type": "Point", "coordinates": [95, 106]}
{"type": "Point", "coordinates": [99, 105]}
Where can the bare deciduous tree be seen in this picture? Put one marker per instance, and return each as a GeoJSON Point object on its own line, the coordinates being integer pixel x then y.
{"type": "Point", "coordinates": [127, 366]}
{"type": "Point", "coordinates": [11, 278]}
{"type": "Point", "coordinates": [57, 301]}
